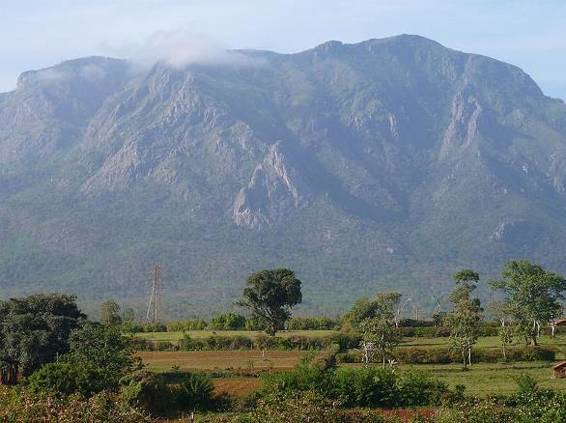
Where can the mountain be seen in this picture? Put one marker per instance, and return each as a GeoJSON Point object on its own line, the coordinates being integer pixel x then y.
{"type": "Point", "coordinates": [386, 164]}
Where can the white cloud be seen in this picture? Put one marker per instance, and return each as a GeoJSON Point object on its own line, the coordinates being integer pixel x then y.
{"type": "Point", "coordinates": [180, 48]}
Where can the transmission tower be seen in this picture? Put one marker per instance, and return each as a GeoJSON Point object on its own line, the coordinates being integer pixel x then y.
{"type": "Point", "coordinates": [154, 304]}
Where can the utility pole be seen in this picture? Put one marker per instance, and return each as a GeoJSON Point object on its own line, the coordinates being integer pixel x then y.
{"type": "Point", "coordinates": [154, 304]}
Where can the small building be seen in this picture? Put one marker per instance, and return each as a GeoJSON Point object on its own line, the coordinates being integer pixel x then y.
{"type": "Point", "coordinates": [559, 370]}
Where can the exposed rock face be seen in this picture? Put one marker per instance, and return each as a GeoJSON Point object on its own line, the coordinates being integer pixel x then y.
{"type": "Point", "coordinates": [463, 127]}
{"type": "Point", "coordinates": [386, 164]}
{"type": "Point", "coordinates": [275, 187]}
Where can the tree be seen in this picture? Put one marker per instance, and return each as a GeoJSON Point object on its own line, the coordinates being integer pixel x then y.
{"type": "Point", "coordinates": [33, 331]}
{"type": "Point", "coordinates": [380, 331]}
{"type": "Point", "coordinates": [384, 303]}
{"type": "Point", "coordinates": [532, 296]}
{"type": "Point", "coordinates": [98, 359]}
{"type": "Point", "coordinates": [110, 313]}
{"type": "Point", "coordinates": [270, 295]}
{"type": "Point", "coordinates": [379, 335]}
{"type": "Point", "coordinates": [499, 312]}
{"type": "Point", "coordinates": [465, 319]}
{"type": "Point", "coordinates": [392, 302]}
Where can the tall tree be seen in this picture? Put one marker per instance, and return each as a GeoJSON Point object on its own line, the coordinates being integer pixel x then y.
{"type": "Point", "coordinates": [270, 295]}
{"type": "Point", "coordinates": [465, 319]}
{"type": "Point", "coordinates": [380, 335]}
{"type": "Point", "coordinates": [33, 331]}
{"type": "Point", "coordinates": [532, 296]}
{"type": "Point", "coordinates": [110, 313]}
{"type": "Point", "coordinates": [383, 303]}
{"type": "Point", "coordinates": [499, 312]}
{"type": "Point", "coordinates": [379, 330]}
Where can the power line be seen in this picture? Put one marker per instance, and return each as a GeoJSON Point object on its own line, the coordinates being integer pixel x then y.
{"type": "Point", "coordinates": [154, 303]}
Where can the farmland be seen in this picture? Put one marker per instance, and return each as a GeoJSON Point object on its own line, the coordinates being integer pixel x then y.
{"type": "Point", "coordinates": [221, 360]}
{"type": "Point", "coordinates": [482, 379]}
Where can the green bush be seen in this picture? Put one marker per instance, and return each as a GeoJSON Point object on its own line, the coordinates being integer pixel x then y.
{"type": "Point", "coordinates": [23, 406]}
{"type": "Point", "coordinates": [312, 323]}
{"type": "Point", "coordinates": [67, 378]}
{"type": "Point", "coordinates": [227, 321]}
{"type": "Point", "coordinates": [184, 325]}
{"type": "Point", "coordinates": [418, 389]}
{"type": "Point", "coordinates": [161, 393]}
{"type": "Point", "coordinates": [194, 391]}
{"type": "Point", "coordinates": [148, 391]}
{"type": "Point", "coordinates": [366, 387]}
{"type": "Point", "coordinates": [306, 376]}
{"type": "Point", "coordinates": [349, 357]}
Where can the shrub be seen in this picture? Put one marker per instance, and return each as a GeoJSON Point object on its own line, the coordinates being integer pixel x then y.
{"type": "Point", "coordinates": [184, 325]}
{"type": "Point", "coordinates": [22, 406]}
{"type": "Point", "coordinates": [311, 323]}
{"type": "Point", "coordinates": [366, 387]}
{"type": "Point", "coordinates": [161, 393]}
{"type": "Point", "coordinates": [66, 378]}
{"type": "Point", "coordinates": [147, 390]}
{"type": "Point", "coordinates": [193, 392]}
{"type": "Point", "coordinates": [227, 321]}
{"type": "Point", "coordinates": [255, 324]}
{"type": "Point", "coordinates": [415, 355]}
{"type": "Point", "coordinates": [306, 376]}
{"type": "Point", "coordinates": [418, 388]}
{"type": "Point", "coordinates": [349, 357]}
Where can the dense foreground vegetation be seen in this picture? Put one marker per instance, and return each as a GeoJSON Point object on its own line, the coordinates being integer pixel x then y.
{"type": "Point", "coordinates": [370, 365]}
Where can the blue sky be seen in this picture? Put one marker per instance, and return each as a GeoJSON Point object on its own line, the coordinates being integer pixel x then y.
{"type": "Point", "coordinates": [40, 33]}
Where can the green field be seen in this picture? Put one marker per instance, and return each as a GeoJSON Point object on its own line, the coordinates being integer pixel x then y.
{"type": "Point", "coordinates": [492, 378]}
{"type": "Point", "coordinates": [482, 379]}
{"type": "Point", "coordinates": [558, 342]}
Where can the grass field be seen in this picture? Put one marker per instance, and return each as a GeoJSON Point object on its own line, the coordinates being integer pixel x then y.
{"type": "Point", "coordinates": [483, 378]}
{"type": "Point", "coordinates": [485, 342]}
{"type": "Point", "coordinates": [490, 378]}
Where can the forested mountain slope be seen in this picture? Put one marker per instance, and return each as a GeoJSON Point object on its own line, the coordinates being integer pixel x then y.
{"type": "Point", "coordinates": [386, 164]}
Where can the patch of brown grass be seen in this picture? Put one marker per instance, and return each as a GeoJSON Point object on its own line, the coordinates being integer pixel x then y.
{"type": "Point", "coordinates": [220, 360]}
{"type": "Point", "coordinates": [238, 387]}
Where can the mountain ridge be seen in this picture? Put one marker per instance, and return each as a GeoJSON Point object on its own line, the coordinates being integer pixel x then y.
{"type": "Point", "coordinates": [385, 164]}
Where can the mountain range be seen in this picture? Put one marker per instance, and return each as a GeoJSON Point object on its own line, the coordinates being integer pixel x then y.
{"type": "Point", "coordinates": [383, 165]}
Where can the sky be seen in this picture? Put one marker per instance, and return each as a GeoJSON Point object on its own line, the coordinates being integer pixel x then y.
{"type": "Point", "coordinates": [40, 33]}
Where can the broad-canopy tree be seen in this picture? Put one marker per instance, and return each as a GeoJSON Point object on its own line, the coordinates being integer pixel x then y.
{"type": "Point", "coordinates": [33, 331]}
{"type": "Point", "coordinates": [464, 321]}
{"type": "Point", "coordinates": [270, 295]}
{"type": "Point", "coordinates": [532, 296]}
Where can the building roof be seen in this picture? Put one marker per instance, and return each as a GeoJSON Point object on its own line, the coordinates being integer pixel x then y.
{"type": "Point", "coordinates": [560, 322]}
{"type": "Point", "coordinates": [559, 365]}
